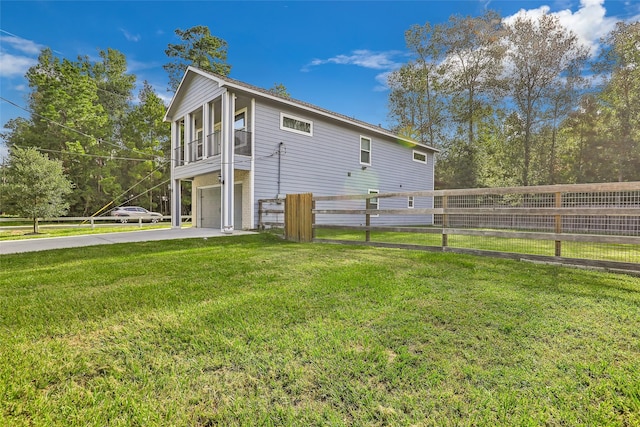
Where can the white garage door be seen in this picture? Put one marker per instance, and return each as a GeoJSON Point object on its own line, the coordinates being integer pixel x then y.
{"type": "Point", "coordinates": [210, 207]}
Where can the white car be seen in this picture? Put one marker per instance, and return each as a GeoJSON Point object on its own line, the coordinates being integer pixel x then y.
{"type": "Point", "coordinates": [126, 213]}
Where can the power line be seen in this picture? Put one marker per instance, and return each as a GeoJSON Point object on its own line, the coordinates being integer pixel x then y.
{"type": "Point", "coordinates": [92, 155]}
{"type": "Point", "coordinates": [98, 140]}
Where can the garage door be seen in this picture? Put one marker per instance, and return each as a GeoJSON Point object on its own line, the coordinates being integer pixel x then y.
{"type": "Point", "coordinates": [209, 201]}
{"type": "Point", "coordinates": [210, 207]}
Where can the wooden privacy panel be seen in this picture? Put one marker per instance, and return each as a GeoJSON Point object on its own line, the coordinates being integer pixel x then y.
{"type": "Point", "coordinates": [298, 224]}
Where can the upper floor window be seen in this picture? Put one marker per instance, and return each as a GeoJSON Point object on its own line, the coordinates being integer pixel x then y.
{"type": "Point", "coordinates": [296, 124]}
{"type": "Point", "coordinates": [410, 202]}
{"type": "Point", "coordinates": [240, 121]}
{"type": "Point", "coordinates": [365, 151]}
{"type": "Point", "coordinates": [419, 156]}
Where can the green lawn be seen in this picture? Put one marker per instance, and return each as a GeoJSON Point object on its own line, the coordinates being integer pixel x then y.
{"type": "Point", "coordinates": [251, 330]}
{"type": "Point", "coordinates": [72, 230]}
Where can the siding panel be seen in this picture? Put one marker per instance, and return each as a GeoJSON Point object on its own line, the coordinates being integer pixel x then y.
{"type": "Point", "coordinates": [328, 163]}
{"type": "Point", "coordinates": [195, 93]}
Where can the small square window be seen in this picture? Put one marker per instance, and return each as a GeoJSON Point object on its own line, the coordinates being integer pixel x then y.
{"type": "Point", "coordinates": [296, 124]}
{"type": "Point", "coordinates": [419, 156]}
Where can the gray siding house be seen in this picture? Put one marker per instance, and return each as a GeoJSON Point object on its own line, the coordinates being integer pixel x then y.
{"type": "Point", "coordinates": [237, 144]}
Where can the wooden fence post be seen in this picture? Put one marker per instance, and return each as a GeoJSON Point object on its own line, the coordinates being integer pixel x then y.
{"type": "Point", "coordinates": [367, 221]}
{"type": "Point", "coordinates": [445, 223]}
{"type": "Point", "coordinates": [298, 222]}
{"type": "Point", "coordinates": [558, 228]}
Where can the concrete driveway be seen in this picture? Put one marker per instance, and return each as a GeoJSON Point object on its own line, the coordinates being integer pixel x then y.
{"type": "Point", "coordinates": [46, 243]}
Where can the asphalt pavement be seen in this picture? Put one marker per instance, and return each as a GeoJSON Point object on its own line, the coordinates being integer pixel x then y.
{"type": "Point", "coordinates": [46, 243]}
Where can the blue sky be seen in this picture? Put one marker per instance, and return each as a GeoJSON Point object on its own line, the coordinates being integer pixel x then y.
{"type": "Point", "coordinates": [334, 54]}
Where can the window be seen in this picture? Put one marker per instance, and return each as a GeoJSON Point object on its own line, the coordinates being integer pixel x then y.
{"type": "Point", "coordinates": [419, 157]}
{"type": "Point", "coordinates": [410, 202]}
{"type": "Point", "coordinates": [373, 202]}
{"type": "Point", "coordinates": [240, 122]}
{"type": "Point", "coordinates": [365, 151]}
{"type": "Point", "coordinates": [199, 146]}
{"type": "Point", "coordinates": [242, 137]}
{"type": "Point", "coordinates": [296, 124]}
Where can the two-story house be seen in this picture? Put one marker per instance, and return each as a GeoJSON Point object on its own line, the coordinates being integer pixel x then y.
{"type": "Point", "coordinates": [237, 144]}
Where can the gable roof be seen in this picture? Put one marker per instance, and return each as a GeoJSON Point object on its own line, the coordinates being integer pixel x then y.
{"type": "Point", "coordinates": [224, 81]}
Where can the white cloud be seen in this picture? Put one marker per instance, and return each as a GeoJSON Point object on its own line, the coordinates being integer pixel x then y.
{"type": "Point", "coordinates": [362, 58]}
{"type": "Point", "coordinates": [14, 65]}
{"type": "Point", "coordinates": [589, 22]}
{"type": "Point", "coordinates": [129, 36]}
{"type": "Point", "coordinates": [383, 61]}
{"type": "Point", "coordinates": [18, 43]}
{"type": "Point", "coordinates": [383, 81]}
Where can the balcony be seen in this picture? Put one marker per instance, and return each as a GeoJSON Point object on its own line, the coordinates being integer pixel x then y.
{"type": "Point", "coordinates": [195, 149]}
{"type": "Point", "coordinates": [242, 143]}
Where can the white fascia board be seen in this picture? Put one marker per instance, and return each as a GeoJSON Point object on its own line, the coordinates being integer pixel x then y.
{"type": "Point", "coordinates": [328, 115]}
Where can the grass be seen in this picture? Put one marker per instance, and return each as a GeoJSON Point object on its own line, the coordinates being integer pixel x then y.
{"type": "Point", "coordinates": [60, 231]}
{"type": "Point", "coordinates": [251, 330]}
{"type": "Point", "coordinates": [581, 250]}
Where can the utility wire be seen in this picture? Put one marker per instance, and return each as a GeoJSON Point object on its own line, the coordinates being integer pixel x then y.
{"type": "Point", "coordinates": [129, 189]}
{"type": "Point", "coordinates": [98, 140]}
{"type": "Point", "coordinates": [91, 155]}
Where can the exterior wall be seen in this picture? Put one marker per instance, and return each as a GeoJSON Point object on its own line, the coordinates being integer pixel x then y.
{"type": "Point", "coordinates": [328, 163]}
{"type": "Point", "coordinates": [194, 93]}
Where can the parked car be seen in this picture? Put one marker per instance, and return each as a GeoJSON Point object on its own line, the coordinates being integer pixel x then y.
{"type": "Point", "coordinates": [125, 214]}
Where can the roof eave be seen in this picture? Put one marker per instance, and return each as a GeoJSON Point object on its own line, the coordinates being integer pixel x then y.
{"type": "Point", "coordinates": [229, 84]}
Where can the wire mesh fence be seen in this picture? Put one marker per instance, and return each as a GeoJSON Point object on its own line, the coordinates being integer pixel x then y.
{"type": "Point", "coordinates": [596, 223]}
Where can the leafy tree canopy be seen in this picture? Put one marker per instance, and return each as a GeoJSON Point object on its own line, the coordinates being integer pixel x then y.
{"type": "Point", "coordinates": [35, 187]}
{"type": "Point", "coordinates": [198, 48]}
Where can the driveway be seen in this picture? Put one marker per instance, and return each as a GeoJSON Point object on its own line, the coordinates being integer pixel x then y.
{"type": "Point", "coordinates": [46, 243]}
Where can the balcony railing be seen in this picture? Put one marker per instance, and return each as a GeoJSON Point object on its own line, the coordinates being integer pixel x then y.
{"type": "Point", "coordinates": [195, 149]}
{"type": "Point", "coordinates": [242, 143]}
{"type": "Point", "coordinates": [213, 143]}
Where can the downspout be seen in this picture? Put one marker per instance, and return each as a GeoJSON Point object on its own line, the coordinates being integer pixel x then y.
{"type": "Point", "coordinates": [279, 166]}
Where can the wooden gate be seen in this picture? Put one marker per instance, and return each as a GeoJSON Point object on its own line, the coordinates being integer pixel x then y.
{"type": "Point", "coordinates": [298, 221]}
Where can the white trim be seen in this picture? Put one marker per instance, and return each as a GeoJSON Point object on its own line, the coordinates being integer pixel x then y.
{"type": "Point", "coordinates": [413, 156]}
{"type": "Point", "coordinates": [411, 202]}
{"type": "Point", "coordinates": [300, 119]}
{"type": "Point", "coordinates": [372, 191]}
{"type": "Point", "coordinates": [361, 150]}
{"type": "Point", "coordinates": [252, 169]}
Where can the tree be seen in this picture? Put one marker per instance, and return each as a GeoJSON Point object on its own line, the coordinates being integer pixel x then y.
{"type": "Point", "coordinates": [586, 150]}
{"type": "Point", "coordinates": [416, 103]}
{"type": "Point", "coordinates": [35, 186]}
{"type": "Point", "coordinates": [69, 121]}
{"type": "Point", "coordinates": [474, 64]}
{"type": "Point", "coordinates": [198, 48]}
{"type": "Point", "coordinates": [280, 90]}
{"type": "Point", "coordinates": [471, 66]}
{"type": "Point", "coordinates": [619, 65]}
{"type": "Point", "coordinates": [540, 54]}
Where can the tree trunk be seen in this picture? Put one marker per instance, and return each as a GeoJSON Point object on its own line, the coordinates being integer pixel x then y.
{"type": "Point", "coordinates": [35, 225]}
